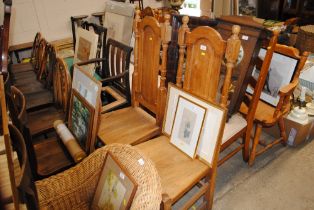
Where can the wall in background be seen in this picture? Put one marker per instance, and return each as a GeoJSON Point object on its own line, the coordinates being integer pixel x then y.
{"type": "Point", "coordinates": [52, 18]}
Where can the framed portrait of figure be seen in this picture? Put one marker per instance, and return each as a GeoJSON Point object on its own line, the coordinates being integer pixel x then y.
{"type": "Point", "coordinates": [116, 187]}
{"type": "Point", "coordinates": [86, 48]}
{"type": "Point", "coordinates": [213, 125]}
{"type": "Point", "coordinates": [280, 73]}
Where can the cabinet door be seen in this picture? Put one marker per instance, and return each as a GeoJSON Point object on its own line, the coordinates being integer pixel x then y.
{"type": "Point", "coordinates": [291, 6]}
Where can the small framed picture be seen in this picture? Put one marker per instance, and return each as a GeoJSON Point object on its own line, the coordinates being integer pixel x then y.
{"type": "Point", "coordinates": [187, 126]}
{"type": "Point", "coordinates": [214, 122]}
{"type": "Point", "coordinates": [116, 187]}
{"type": "Point", "coordinates": [81, 117]}
{"type": "Point", "coordinates": [280, 73]}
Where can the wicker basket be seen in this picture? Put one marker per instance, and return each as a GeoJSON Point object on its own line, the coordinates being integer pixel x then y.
{"type": "Point", "coordinates": [305, 39]}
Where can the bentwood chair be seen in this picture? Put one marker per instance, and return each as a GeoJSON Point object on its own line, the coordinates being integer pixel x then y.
{"type": "Point", "coordinates": [135, 124]}
{"type": "Point", "coordinates": [267, 115]}
{"type": "Point", "coordinates": [240, 126]}
{"type": "Point", "coordinates": [205, 50]}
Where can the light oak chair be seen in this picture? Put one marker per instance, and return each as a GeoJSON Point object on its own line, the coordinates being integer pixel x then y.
{"type": "Point", "coordinates": [135, 124]}
{"type": "Point", "coordinates": [267, 115]}
{"type": "Point", "coordinates": [239, 126]}
{"type": "Point", "coordinates": [179, 173]}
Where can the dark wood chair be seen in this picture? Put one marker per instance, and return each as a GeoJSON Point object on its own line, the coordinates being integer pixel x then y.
{"type": "Point", "coordinates": [205, 50]}
{"type": "Point", "coordinates": [142, 121]}
{"type": "Point", "coordinates": [76, 22]}
{"type": "Point", "coordinates": [114, 76]}
{"type": "Point", "coordinates": [24, 183]}
{"type": "Point", "coordinates": [267, 115]}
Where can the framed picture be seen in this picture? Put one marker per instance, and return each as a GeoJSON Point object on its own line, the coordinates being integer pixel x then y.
{"type": "Point", "coordinates": [87, 86]}
{"type": "Point", "coordinates": [188, 122]}
{"type": "Point", "coordinates": [214, 122]}
{"type": "Point", "coordinates": [280, 73]}
{"type": "Point", "coordinates": [81, 117]}
{"type": "Point", "coordinates": [116, 187]}
{"type": "Point", "coordinates": [86, 48]}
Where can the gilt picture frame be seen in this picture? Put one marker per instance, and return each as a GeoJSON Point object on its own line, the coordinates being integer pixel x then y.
{"type": "Point", "coordinates": [116, 187]}
{"type": "Point", "coordinates": [213, 127]}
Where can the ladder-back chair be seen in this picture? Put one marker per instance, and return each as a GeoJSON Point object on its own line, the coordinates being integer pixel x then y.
{"type": "Point", "coordinates": [134, 124]}
{"type": "Point", "coordinates": [267, 115]}
{"type": "Point", "coordinates": [179, 173]}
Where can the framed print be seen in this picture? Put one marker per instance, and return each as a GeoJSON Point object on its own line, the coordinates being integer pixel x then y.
{"type": "Point", "coordinates": [187, 126]}
{"type": "Point", "coordinates": [116, 187]}
{"type": "Point", "coordinates": [86, 48]}
{"type": "Point", "coordinates": [87, 86]}
{"type": "Point", "coordinates": [280, 73]}
{"type": "Point", "coordinates": [81, 117]}
{"type": "Point", "coordinates": [213, 126]}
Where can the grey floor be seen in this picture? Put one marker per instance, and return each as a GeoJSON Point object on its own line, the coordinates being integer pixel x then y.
{"type": "Point", "coordinates": [281, 178]}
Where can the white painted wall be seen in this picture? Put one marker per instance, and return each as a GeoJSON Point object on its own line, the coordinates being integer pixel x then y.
{"type": "Point", "coordinates": [52, 17]}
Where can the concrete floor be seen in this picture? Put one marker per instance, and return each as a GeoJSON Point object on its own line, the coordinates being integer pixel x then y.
{"type": "Point", "coordinates": [281, 178]}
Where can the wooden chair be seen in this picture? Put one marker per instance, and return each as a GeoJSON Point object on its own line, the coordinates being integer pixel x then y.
{"type": "Point", "coordinates": [134, 125]}
{"type": "Point", "coordinates": [179, 173]}
{"type": "Point", "coordinates": [115, 76]}
{"type": "Point", "coordinates": [239, 126]}
{"type": "Point", "coordinates": [267, 115]}
{"type": "Point", "coordinates": [76, 22]}
{"type": "Point", "coordinates": [34, 59]}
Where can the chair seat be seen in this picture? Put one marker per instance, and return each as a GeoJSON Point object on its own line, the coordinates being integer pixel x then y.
{"type": "Point", "coordinates": [119, 102]}
{"type": "Point", "coordinates": [178, 172]}
{"type": "Point", "coordinates": [21, 67]}
{"type": "Point", "coordinates": [42, 120]}
{"type": "Point", "coordinates": [51, 157]}
{"type": "Point", "coordinates": [38, 99]}
{"type": "Point", "coordinates": [127, 126]}
{"type": "Point", "coordinates": [28, 88]}
{"type": "Point", "coordinates": [235, 125]}
{"type": "Point", "coordinates": [264, 113]}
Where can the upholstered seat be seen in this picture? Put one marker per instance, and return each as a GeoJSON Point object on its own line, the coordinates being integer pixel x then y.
{"type": "Point", "coordinates": [172, 171]}
{"type": "Point", "coordinates": [137, 126]}
{"type": "Point", "coordinates": [235, 124]}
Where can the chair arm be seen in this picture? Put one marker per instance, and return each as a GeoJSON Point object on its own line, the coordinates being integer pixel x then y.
{"type": "Point", "coordinates": [73, 188]}
{"type": "Point", "coordinates": [94, 60]}
{"type": "Point", "coordinates": [113, 78]}
{"type": "Point", "coordinates": [287, 89]}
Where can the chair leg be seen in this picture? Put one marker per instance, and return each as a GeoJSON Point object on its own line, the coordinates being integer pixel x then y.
{"type": "Point", "coordinates": [257, 134]}
{"type": "Point", "coordinates": [282, 129]}
{"type": "Point", "coordinates": [166, 202]}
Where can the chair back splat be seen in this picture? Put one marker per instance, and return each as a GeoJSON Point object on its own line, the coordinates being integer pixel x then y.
{"type": "Point", "coordinates": [149, 36]}
{"type": "Point", "coordinates": [205, 50]}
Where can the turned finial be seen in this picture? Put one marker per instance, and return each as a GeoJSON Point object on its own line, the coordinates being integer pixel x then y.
{"type": "Point", "coordinates": [236, 29]}
{"type": "Point", "coordinates": [185, 20]}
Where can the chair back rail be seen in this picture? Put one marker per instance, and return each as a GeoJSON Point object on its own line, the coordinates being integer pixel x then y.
{"type": "Point", "coordinates": [205, 50]}
{"type": "Point", "coordinates": [149, 37]}
{"type": "Point", "coordinates": [117, 64]}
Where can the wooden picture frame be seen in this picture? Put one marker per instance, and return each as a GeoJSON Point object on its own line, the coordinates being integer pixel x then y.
{"type": "Point", "coordinates": [280, 73]}
{"type": "Point", "coordinates": [83, 82]}
{"type": "Point", "coordinates": [86, 48]}
{"type": "Point", "coordinates": [214, 122]}
{"type": "Point", "coordinates": [114, 179]}
{"type": "Point", "coordinates": [187, 126]}
{"type": "Point", "coordinates": [81, 119]}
